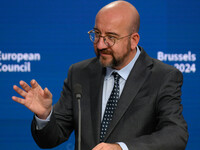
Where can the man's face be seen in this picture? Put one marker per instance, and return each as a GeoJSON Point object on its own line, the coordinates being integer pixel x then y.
{"type": "Point", "coordinates": [119, 55]}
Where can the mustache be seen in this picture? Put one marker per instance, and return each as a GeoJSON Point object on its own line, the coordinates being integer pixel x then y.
{"type": "Point", "coordinates": [104, 51]}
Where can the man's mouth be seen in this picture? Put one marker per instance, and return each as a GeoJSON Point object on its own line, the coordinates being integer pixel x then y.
{"type": "Point", "coordinates": [104, 52]}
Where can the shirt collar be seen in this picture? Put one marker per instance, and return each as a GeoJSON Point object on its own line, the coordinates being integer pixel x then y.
{"type": "Point", "coordinates": [124, 72]}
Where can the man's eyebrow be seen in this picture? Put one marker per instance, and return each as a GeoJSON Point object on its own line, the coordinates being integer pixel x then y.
{"type": "Point", "coordinates": [111, 33]}
{"type": "Point", "coordinates": [96, 29]}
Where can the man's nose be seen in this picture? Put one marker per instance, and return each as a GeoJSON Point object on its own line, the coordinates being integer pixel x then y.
{"type": "Point", "coordinates": [101, 44]}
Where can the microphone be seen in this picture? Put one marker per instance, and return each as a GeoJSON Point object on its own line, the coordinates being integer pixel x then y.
{"type": "Point", "coordinates": [78, 91]}
{"type": "Point", "coordinates": [78, 95]}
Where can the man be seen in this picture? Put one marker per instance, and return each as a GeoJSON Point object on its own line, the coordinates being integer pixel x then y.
{"type": "Point", "coordinates": [142, 112]}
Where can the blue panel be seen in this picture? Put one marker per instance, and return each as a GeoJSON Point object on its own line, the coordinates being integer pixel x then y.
{"type": "Point", "coordinates": [40, 39]}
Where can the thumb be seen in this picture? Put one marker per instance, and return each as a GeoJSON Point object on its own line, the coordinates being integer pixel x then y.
{"type": "Point", "coordinates": [47, 93]}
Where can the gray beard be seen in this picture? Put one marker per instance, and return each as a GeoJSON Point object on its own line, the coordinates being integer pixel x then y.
{"type": "Point", "coordinates": [115, 61]}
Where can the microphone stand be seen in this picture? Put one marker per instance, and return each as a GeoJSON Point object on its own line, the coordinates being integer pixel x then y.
{"type": "Point", "coordinates": [79, 123]}
{"type": "Point", "coordinates": [78, 94]}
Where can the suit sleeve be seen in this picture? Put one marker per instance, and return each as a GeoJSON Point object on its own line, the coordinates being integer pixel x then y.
{"type": "Point", "coordinates": [171, 130]}
{"type": "Point", "coordinates": [60, 125]}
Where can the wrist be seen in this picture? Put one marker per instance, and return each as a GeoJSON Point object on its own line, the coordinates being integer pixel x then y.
{"type": "Point", "coordinates": [45, 114]}
{"type": "Point", "coordinates": [118, 146]}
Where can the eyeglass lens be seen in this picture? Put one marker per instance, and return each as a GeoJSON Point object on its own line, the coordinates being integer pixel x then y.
{"type": "Point", "coordinates": [94, 37]}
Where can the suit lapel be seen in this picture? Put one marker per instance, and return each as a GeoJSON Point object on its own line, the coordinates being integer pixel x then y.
{"type": "Point", "coordinates": [137, 77]}
{"type": "Point", "coordinates": [96, 85]}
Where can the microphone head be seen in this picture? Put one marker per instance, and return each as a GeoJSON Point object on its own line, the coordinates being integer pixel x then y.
{"type": "Point", "coordinates": [78, 91]}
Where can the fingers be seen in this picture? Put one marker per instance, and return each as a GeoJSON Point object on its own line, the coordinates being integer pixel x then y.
{"type": "Point", "coordinates": [98, 147]}
{"type": "Point", "coordinates": [34, 84]}
{"type": "Point", "coordinates": [25, 86]}
{"type": "Point", "coordinates": [19, 100]}
{"type": "Point", "coordinates": [19, 91]}
{"type": "Point", "coordinates": [107, 146]}
{"type": "Point", "coordinates": [47, 93]}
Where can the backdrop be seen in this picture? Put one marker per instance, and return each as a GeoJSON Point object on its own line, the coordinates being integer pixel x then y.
{"type": "Point", "coordinates": [40, 39]}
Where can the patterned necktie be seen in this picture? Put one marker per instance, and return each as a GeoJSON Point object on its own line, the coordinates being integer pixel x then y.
{"type": "Point", "coordinates": [110, 106]}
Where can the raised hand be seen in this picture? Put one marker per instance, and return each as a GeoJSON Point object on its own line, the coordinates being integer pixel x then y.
{"type": "Point", "coordinates": [36, 99]}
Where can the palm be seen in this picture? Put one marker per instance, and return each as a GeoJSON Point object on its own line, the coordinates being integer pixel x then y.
{"type": "Point", "coordinates": [36, 102]}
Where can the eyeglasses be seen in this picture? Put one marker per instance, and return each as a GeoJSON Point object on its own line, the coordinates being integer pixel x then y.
{"type": "Point", "coordinates": [109, 40]}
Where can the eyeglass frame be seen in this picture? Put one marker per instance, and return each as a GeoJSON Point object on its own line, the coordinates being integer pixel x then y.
{"type": "Point", "coordinates": [104, 38]}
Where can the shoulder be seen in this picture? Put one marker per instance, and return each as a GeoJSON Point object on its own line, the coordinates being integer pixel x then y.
{"type": "Point", "coordinates": [86, 63]}
{"type": "Point", "coordinates": [86, 66]}
{"type": "Point", "coordinates": [156, 64]}
{"type": "Point", "coordinates": [158, 68]}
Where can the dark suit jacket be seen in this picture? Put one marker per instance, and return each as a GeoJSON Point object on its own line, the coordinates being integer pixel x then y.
{"type": "Point", "coordinates": [148, 116]}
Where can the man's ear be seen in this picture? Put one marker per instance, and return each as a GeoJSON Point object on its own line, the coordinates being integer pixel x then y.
{"type": "Point", "coordinates": [135, 38]}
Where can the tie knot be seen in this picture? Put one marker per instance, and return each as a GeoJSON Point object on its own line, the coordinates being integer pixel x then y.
{"type": "Point", "coordinates": [116, 76]}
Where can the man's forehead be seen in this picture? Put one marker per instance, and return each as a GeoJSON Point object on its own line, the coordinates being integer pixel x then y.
{"type": "Point", "coordinates": [113, 14]}
{"type": "Point", "coordinates": [110, 24]}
